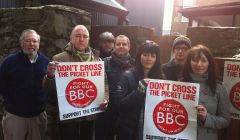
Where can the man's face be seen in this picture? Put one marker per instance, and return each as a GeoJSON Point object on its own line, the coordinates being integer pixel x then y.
{"type": "Point", "coordinates": [180, 52]}
{"type": "Point", "coordinates": [80, 38]}
{"type": "Point", "coordinates": [121, 47]}
{"type": "Point", "coordinates": [107, 46]}
{"type": "Point", "coordinates": [30, 44]}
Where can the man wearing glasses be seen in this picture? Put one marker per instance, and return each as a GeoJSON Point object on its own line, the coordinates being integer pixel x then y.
{"type": "Point", "coordinates": [172, 69]}
{"type": "Point", "coordinates": [21, 76]}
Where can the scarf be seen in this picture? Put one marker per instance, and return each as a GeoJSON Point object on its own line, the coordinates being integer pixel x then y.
{"type": "Point", "coordinates": [202, 80]}
{"type": "Point", "coordinates": [104, 54]}
{"type": "Point", "coordinates": [86, 56]}
{"type": "Point", "coordinates": [125, 61]}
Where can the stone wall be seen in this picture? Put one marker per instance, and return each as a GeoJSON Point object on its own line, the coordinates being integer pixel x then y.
{"type": "Point", "coordinates": [223, 42]}
{"type": "Point", "coordinates": [53, 22]}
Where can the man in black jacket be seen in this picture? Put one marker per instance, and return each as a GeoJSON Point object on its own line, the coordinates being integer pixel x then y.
{"type": "Point", "coordinates": [119, 61]}
{"type": "Point", "coordinates": [172, 69]}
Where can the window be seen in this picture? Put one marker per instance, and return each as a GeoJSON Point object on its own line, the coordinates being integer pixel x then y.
{"type": "Point", "coordinates": [187, 4]}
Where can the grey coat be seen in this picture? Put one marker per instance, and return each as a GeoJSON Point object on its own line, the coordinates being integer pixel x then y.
{"type": "Point", "coordinates": [218, 108]}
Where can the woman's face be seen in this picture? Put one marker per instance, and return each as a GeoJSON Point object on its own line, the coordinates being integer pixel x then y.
{"type": "Point", "coordinates": [199, 64]}
{"type": "Point", "coordinates": [148, 60]}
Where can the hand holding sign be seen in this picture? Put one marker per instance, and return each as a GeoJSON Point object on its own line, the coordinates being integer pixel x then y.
{"type": "Point", "coordinates": [201, 112]}
{"type": "Point", "coordinates": [51, 69]}
{"type": "Point", "coordinates": [142, 85]}
{"type": "Point", "coordinates": [104, 105]}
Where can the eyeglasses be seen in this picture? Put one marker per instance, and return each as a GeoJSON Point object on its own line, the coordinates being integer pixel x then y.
{"type": "Point", "coordinates": [181, 48]}
{"type": "Point", "coordinates": [31, 41]}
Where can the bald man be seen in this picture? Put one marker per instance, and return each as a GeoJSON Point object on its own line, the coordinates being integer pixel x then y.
{"type": "Point", "coordinates": [77, 50]}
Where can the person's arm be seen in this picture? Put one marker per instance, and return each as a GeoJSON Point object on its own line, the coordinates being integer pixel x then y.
{"type": "Point", "coordinates": [125, 99]}
{"type": "Point", "coordinates": [2, 88]}
{"type": "Point", "coordinates": [3, 77]}
{"type": "Point", "coordinates": [49, 78]}
{"type": "Point", "coordinates": [222, 117]}
{"type": "Point", "coordinates": [105, 102]}
{"type": "Point", "coordinates": [49, 84]}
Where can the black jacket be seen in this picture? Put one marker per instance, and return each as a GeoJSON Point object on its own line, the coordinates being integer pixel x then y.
{"type": "Point", "coordinates": [129, 103]}
{"type": "Point", "coordinates": [172, 71]}
{"type": "Point", "coordinates": [106, 123]}
{"type": "Point", "coordinates": [114, 71]}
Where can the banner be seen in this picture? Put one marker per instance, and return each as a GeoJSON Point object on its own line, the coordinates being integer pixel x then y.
{"type": "Point", "coordinates": [80, 88]}
{"type": "Point", "coordinates": [170, 112]}
{"type": "Point", "coordinates": [231, 79]}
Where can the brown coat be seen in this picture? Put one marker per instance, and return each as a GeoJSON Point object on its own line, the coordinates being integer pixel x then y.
{"type": "Point", "coordinates": [68, 55]}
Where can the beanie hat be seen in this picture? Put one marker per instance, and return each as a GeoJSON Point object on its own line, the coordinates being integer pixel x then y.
{"type": "Point", "coordinates": [106, 36]}
{"type": "Point", "coordinates": [182, 40]}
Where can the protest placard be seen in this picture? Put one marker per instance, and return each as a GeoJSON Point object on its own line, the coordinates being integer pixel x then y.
{"type": "Point", "coordinates": [80, 88]}
{"type": "Point", "coordinates": [231, 78]}
{"type": "Point", "coordinates": [170, 112]}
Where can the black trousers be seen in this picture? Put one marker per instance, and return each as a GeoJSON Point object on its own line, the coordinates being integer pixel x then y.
{"type": "Point", "coordinates": [76, 130]}
{"type": "Point", "coordinates": [105, 126]}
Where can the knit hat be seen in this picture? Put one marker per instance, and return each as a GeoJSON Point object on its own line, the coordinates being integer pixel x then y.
{"type": "Point", "coordinates": [182, 40]}
{"type": "Point", "coordinates": [107, 36]}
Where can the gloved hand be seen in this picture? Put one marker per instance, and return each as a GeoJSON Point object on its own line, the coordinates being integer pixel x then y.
{"type": "Point", "coordinates": [142, 86]}
{"type": "Point", "coordinates": [104, 105]}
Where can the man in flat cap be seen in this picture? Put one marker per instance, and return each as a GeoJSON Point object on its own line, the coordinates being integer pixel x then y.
{"type": "Point", "coordinates": [106, 44]}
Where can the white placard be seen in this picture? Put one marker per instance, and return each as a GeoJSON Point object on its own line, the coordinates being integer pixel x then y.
{"type": "Point", "coordinates": [80, 88]}
{"type": "Point", "coordinates": [231, 79]}
{"type": "Point", "coordinates": [170, 112]}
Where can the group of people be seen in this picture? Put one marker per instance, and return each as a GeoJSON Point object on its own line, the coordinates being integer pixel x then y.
{"type": "Point", "coordinates": [27, 82]}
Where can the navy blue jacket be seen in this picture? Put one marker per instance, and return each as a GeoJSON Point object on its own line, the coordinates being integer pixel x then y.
{"type": "Point", "coordinates": [114, 71]}
{"type": "Point", "coordinates": [21, 84]}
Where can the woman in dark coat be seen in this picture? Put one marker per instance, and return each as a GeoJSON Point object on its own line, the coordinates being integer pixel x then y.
{"type": "Point", "coordinates": [130, 92]}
